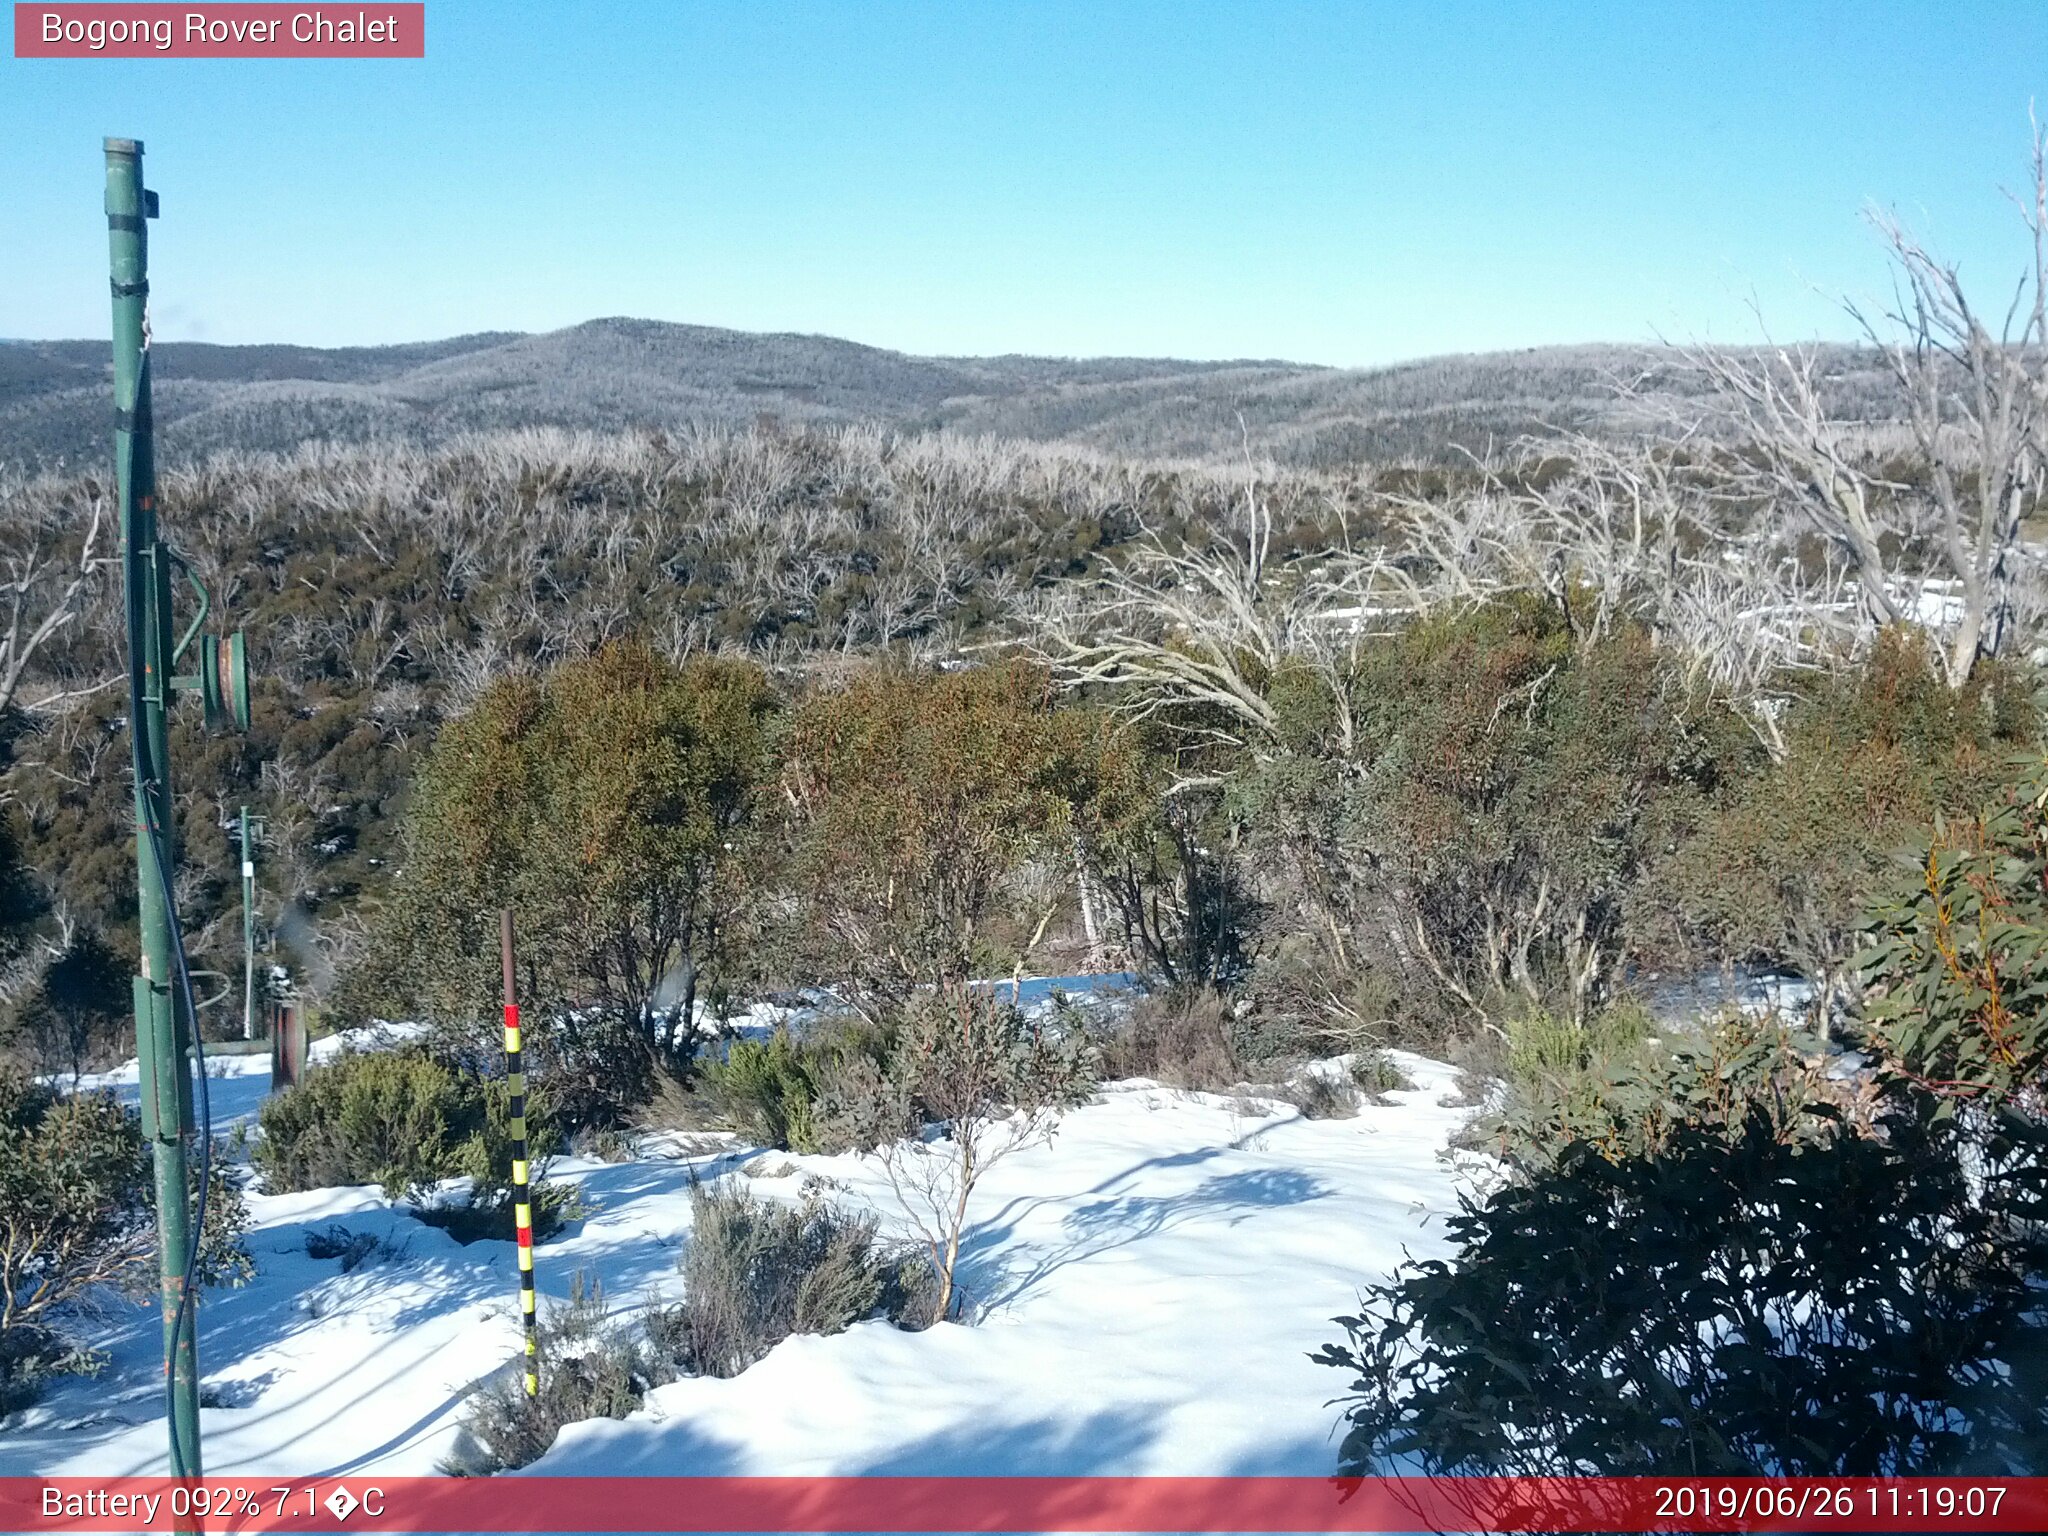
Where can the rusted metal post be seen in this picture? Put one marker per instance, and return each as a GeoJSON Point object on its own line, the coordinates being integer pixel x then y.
{"type": "Point", "coordinates": [288, 1032]}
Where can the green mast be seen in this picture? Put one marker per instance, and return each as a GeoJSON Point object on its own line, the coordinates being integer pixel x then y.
{"type": "Point", "coordinates": [249, 824]}
{"type": "Point", "coordinates": [161, 1034]}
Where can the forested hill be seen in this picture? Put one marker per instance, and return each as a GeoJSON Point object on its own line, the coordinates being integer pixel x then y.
{"type": "Point", "coordinates": [615, 373]}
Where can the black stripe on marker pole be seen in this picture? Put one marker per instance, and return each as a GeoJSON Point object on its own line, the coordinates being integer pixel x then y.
{"type": "Point", "coordinates": [522, 1196]}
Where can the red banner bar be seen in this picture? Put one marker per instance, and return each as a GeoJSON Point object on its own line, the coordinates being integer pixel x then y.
{"type": "Point", "coordinates": [372, 30]}
{"type": "Point", "coordinates": [1020, 1504]}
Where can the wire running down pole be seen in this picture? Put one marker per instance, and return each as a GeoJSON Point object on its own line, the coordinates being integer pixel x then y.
{"type": "Point", "coordinates": [522, 1195]}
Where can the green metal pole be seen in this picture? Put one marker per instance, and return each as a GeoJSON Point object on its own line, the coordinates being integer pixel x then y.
{"type": "Point", "coordinates": [248, 933]}
{"type": "Point", "coordinates": [161, 1035]}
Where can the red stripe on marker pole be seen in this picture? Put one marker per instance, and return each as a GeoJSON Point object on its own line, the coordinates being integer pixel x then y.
{"type": "Point", "coordinates": [245, 31]}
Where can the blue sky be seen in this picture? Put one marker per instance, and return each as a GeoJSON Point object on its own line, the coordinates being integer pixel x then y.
{"type": "Point", "coordinates": [1349, 183]}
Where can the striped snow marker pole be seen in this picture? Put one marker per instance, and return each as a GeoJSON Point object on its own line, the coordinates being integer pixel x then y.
{"type": "Point", "coordinates": [522, 1196]}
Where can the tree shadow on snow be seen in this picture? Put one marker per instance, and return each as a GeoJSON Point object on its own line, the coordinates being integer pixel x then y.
{"type": "Point", "coordinates": [1116, 1221]}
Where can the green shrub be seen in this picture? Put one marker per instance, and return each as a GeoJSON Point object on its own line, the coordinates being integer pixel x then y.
{"type": "Point", "coordinates": [825, 1090]}
{"type": "Point", "coordinates": [588, 1368]}
{"type": "Point", "coordinates": [407, 1121]}
{"type": "Point", "coordinates": [394, 1118]}
{"type": "Point", "coordinates": [1476, 833]}
{"type": "Point", "coordinates": [77, 1207]}
{"type": "Point", "coordinates": [1295, 1003]}
{"type": "Point", "coordinates": [764, 1090]}
{"type": "Point", "coordinates": [756, 1272]}
{"type": "Point", "coordinates": [606, 1145]}
{"type": "Point", "coordinates": [593, 1067]}
{"type": "Point", "coordinates": [1958, 958]}
{"type": "Point", "coordinates": [1736, 1298]}
{"type": "Point", "coordinates": [1540, 1044]}
{"type": "Point", "coordinates": [1629, 1103]}
{"type": "Point", "coordinates": [1375, 1075]}
{"type": "Point", "coordinates": [861, 1104]}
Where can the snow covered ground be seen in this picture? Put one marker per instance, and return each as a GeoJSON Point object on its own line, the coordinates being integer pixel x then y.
{"type": "Point", "coordinates": [1150, 1284]}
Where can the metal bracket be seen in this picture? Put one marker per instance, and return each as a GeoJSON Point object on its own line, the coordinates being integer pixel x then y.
{"type": "Point", "coordinates": [205, 604]}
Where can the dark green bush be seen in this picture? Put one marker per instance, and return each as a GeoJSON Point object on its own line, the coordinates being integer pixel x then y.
{"type": "Point", "coordinates": [1545, 1048]}
{"type": "Point", "coordinates": [1735, 1300]}
{"type": "Point", "coordinates": [861, 1102]}
{"type": "Point", "coordinates": [604, 800]}
{"type": "Point", "coordinates": [77, 1019]}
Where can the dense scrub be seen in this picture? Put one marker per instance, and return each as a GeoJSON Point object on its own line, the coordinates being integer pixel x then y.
{"type": "Point", "coordinates": [1488, 824]}
{"type": "Point", "coordinates": [1722, 1257]}
{"type": "Point", "coordinates": [385, 587]}
{"type": "Point", "coordinates": [1513, 822]}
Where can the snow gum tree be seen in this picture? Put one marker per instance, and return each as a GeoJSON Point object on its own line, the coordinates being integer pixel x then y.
{"type": "Point", "coordinates": [915, 803]}
{"type": "Point", "coordinates": [608, 804]}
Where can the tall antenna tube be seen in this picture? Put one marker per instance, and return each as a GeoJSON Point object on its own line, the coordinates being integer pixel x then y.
{"type": "Point", "coordinates": [161, 1033]}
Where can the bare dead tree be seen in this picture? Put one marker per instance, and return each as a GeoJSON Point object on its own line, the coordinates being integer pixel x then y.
{"type": "Point", "coordinates": [1977, 404]}
{"type": "Point", "coordinates": [51, 556]}
{"type": "Point", "coordinates": [1801, 455]}
{"type": "Point", "coordinates": [1199, 630]}
{"type": "Point", "coordinates": [1976, 408]}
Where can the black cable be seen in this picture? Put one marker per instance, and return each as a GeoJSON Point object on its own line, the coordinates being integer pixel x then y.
{"type": "Point", "coordinates": [163, 875]}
